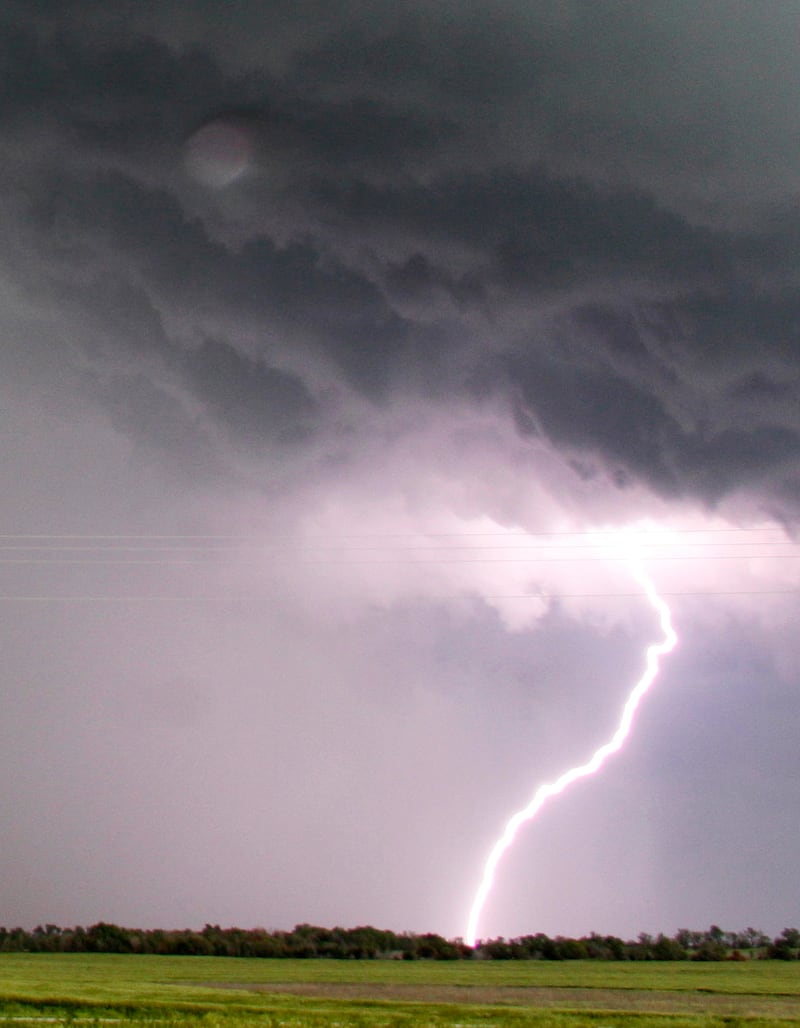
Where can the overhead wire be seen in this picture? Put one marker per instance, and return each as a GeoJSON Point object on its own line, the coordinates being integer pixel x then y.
{"type": "Point", "coordinates": [516, 547]}
{"type": "Point", "coordinates": [267, 597]}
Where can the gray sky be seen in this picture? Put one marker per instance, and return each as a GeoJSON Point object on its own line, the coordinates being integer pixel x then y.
{"type": "Point", "coordinates": [339, 347]}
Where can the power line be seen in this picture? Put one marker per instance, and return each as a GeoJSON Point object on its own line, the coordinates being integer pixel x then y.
{"type": "Point", "coordinates": [601, 558]}
{"type": "Point", "coordinates": [585, 533]}
{"type": "Point", "coordinates": [236, 548]}
{"type": "Point", "coordinates": [265, 597]}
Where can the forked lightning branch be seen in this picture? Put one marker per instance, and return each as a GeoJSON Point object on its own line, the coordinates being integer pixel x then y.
{"type": "Point", "coordinates": [598, 758]}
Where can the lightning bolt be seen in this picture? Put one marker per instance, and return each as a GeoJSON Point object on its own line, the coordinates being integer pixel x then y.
{"type": "Point", "coordinates": [593, 765]}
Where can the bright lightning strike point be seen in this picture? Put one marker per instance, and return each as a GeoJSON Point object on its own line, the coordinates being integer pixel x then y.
{"type": "Point", "coordinates": [598, 758]}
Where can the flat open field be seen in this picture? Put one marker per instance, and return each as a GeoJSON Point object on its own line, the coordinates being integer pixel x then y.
{"type": "Point", "coordinates": [109, 989]}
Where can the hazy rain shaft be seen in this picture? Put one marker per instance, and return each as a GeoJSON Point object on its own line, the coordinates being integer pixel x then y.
{"type": "Point", "coordinates": [344, 353]}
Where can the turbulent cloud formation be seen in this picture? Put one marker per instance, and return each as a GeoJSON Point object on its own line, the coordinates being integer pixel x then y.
{"type": "Point", "coordinates": [335, 344]}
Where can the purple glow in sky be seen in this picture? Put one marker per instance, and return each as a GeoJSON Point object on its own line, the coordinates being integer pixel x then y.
{"type": "Point", "coordinates": [339, 344]}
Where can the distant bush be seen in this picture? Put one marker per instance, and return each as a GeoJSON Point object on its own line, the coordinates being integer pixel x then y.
{"type": "Point", "coordinates": [307, 941]}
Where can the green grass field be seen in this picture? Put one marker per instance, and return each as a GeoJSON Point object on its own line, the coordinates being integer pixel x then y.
{"type": "Point", "coordinates": [108, 989]}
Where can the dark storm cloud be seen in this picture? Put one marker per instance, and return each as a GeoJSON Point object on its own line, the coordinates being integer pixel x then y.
{"type": "Point", "coordinates": [141, 410]}
{"type": "Point", "coordinates": [109, 225]}
{"type": "Point", "coordinates": [630, 400]}
{"type": "Point", "coordinates": [535, 229]}
{"type": "Point", "coordinates": [89, 100]}
{"type": "Point", "coordinates": [411, 248]}
{"type": "Point", "coordinates": [598, 412]}
{"type": "Point", "coordinates": [259, 402]}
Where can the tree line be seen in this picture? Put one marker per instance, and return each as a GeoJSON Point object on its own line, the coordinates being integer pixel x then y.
{"type": "Point", "coordinates": [366, 943]}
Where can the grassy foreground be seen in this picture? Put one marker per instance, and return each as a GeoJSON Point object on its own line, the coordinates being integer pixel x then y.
{"type": "Point", "coordinates": [111, 989]}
